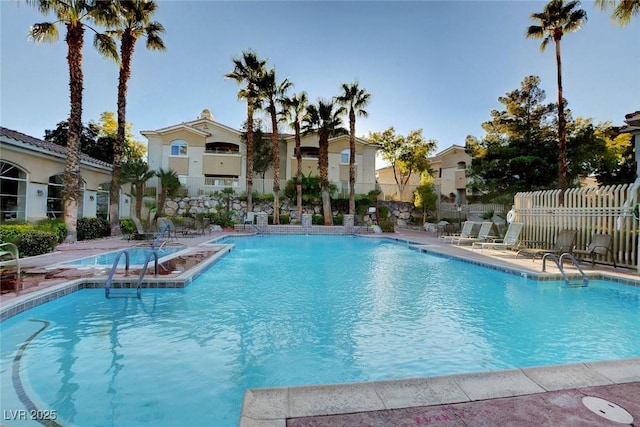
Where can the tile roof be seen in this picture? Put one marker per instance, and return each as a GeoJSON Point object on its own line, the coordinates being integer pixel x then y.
{"type": "Point", "coordinates": [47, 145]}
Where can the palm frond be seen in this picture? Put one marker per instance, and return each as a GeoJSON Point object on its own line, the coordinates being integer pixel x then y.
{"type": "Point", "coordinates": [106, 46]}
{"type": "Point", "coordinates": [44, 32]}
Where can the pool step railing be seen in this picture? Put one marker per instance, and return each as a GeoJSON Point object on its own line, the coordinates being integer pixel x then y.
{"type": "Point", "coordinates": [559, 262]}
{"type": "Point", "coordinates": [114, 268]}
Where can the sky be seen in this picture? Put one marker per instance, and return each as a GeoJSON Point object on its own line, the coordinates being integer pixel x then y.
{"type": "Point", "coordinates": [439, 66]}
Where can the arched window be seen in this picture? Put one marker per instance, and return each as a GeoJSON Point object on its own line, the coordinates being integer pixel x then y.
{"type": "Point", "coordinates": [13, 192]}
{"type": "Point", "coordinates": [179, 148]}
{"type": "Point", "coordinates": [462, 165]}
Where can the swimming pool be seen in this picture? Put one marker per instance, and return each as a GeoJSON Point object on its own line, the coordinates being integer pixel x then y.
{"type": "Point", "coordinates": [292, 310]}
{"type": "Point", "coordinates": [137, 256]}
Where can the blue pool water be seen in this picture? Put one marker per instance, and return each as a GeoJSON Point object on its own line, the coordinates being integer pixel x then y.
{"type": "Point", "coordinates": [137, 256]}
{"type": "Point", "coordinates": [293, 310]}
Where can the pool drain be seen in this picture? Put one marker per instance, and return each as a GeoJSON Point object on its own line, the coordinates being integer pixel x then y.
{"type": "Point", "coordinates": [608, 410]}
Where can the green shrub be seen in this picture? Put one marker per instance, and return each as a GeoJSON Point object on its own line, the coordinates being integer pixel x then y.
{"type": "Point", "coordinates": [37, 242]}
{"type": "Point", "coordinates": [387, 226]}
{"type": "Point", "coordinates": [383, 211]}
{"type": "Point", "coordinates": [56, 226]}
{"type": "Point", "coordinates": [317, 220]}
{"type": "Point", "coordinates": [338, 219]}
{"type": "Point", "coordinates": [93, 228]}
{"type": "Point", "coordinates": [127, 226]}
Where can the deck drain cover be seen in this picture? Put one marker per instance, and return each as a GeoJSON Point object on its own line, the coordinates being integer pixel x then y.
{"type": "Point", "coordinates": [608, 410]}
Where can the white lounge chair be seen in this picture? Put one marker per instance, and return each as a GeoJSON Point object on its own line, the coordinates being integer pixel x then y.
{"type": "Point", "coordinates": [469, 229]}
{"type": "Point", "coordinates": [510, 240]}
{"type": "Point", "coordinates": [487, 232]}
{"type": "Point", "coordinates": [10, 257]}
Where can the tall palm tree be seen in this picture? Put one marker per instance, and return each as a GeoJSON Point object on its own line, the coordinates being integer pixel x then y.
{"type": "Point", "coordinates": [248, 71]}
{"type": "Point", "coordinates": [169, 184]}
{"type": "Point", "coordinates": [324, 119]}
{"type": "Point", "coordinates": [134, 21]}
{"type": "Point", "coordinates": [355, 99]}
{"type": "Point", "coordinates": [75, 16]}
{"type": "Point", "coordinates": [272, 92]}
{"type": "Point", "coordinates": [623, 10]}
{"type": "Point", "coordinates": [557, 19]}
{"type": "Point", "coordinates": [294, 111]}
{"type": "Point", "coordinates": [137, 172]}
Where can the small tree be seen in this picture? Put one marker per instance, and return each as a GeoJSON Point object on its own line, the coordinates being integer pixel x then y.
{"type": "Point", "coordinates": [425, 197]}
{"type": "Point", "coordinates": [169, 185]}
{"type": "Point", "coordinates": [137, 173]}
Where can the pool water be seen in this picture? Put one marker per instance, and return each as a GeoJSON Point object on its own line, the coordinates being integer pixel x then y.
{"type": "Point", "coordinates": [293, 310]}
{"type": "Point", "coordinates": [137, 256]}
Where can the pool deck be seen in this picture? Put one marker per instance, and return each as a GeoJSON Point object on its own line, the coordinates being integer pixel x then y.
{"type": "Point", "coordinates": [540, 396]}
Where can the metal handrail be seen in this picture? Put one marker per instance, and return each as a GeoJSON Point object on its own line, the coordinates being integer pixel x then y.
{"type": "Point", "coordinates": [114, 267]}
{"type": "Point", "coordinates": [144, 269]}
{"type": "Point", "coordinates": [585, 279]}
{"type": "Point", "coordinates": [164, 229]}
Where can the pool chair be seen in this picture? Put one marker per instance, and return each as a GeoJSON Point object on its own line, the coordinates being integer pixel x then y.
{"type": "Point", "coordinates": [510, 240]}
{"type": "Point", "coordinates": [601, 244]}
{"type": "Point", "coordinates": [249, 218]}
{"type": "Point", "coordinates": [487, 233]}
{"type": "Point", "coordinates": [10, 259]}
{"type": "Point", "coordinates": [565, 241]}
{"type": "Point", "coordinates": [140, 231]}
{"type": "Point", "coordinates": [166, 226]}
{"type": "Point", "coordinates": [469, 229]}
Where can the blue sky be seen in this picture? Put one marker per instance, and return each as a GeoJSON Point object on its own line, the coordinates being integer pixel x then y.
{"type": "Point", "coordinates": [433, 65]}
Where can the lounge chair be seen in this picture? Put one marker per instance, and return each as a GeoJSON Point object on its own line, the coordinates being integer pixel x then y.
{"type": "Point", "coordinates": [140, 231]}
{"type": "Point", "coordinates": [249, 218]}
{"type": "Point", "coordinates": [565, 241]}
{"type": "Point", "coordinates": [10, 257]}
{"type": "Point", "coordinates": [601, 244]}
{"type": "Point", "coordinates": [469, 229]}
{"type": "Point", "coordinates": [486, 233]}
{"type": "Point", "coordinates": [166, 226]}
{"type": "Point", "coordinates": [510, 240]}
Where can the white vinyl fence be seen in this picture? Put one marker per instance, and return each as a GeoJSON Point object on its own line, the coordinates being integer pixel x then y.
{"type": "Point", "coordinates": [607, 210]}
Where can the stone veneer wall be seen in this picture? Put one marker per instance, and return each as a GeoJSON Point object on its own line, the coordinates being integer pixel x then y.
{"type": "Point", "coordinates": [400, 213]}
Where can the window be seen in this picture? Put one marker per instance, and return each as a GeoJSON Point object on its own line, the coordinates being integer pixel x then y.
{"type": "Point", "coordinates": [102, 200]}
{"type": "Point", "coordinates": [222, 147]}
{"type": "Point", "coordinates": [312, 152]}
{"type": "Point", "coordinates": [55, 207]}
{"type": "Point", "coordinates": [179, 148]}
{"type": "Point", "coordinates": [462, 165]}
{"type": "Point", "coordinates": [344, 156]}
{"type": "Point", "coordinates": [13, 184]}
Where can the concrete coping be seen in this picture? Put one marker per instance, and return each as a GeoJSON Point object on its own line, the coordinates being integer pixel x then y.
{"type": "Point", "coordinates": [271, 407]}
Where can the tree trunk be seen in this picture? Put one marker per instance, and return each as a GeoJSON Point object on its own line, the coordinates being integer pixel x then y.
{"type": "Point", "coordinates": [352, 162]}
{"type": "Point", "coordinates": [126, 53]}
{"type": "Point", "coordinates": [563, 162]}
{"type": "Point", "coordinates": [299, 172]}
{"type": "Point", "coordinates": [250, 154]}
{"type": "Point", "coordinates": [323, 169]}
{"type": "Point", "coordinates": [72, 178]}
{"type": "Point", "coordinates": [275, 152]}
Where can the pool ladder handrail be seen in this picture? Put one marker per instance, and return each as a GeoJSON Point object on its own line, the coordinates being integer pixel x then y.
{"type": "Point", "coordinates": [114, 268]}
{"type": "Point", "coordinates": [165, 229]}
{"type": "Point", "coordinates": [559, 262]}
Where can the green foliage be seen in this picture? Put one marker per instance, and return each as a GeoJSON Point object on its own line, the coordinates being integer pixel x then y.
{"type": "Point", "coordinates": [519, 151]}
{"type": "Point", "coordinates": [338, 219]}
{"type": "Point", "coordinates": [317, 220]}
{"type": "Point", "coordinates": [487, 215]}
{"type": "Point", "coordinates": [56, 226]}
{"type": "Point", "coordinates": [425, 199]}
{"type": "Point", "coordinates": [127, 226]}
{"type": "Point", "coordinates": [383, 212]}
{"type": "Point", "coordinates": [311, 192]}
{"type": "Point", "coordinates": [285, 219]}
{"type": "Point", "coordinates": [387, 226]}
{"type": "Point", "coordinates": [36, 242]}
{"type": "Point", "coordinates": [93, 228]}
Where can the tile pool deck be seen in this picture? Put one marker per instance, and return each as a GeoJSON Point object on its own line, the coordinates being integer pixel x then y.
{"type": "Point", "coordinates": [541, 396]}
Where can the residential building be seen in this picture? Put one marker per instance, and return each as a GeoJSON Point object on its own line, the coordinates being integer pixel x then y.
{"type": "Point", "coordinates": [31, 172]}
{"type": "Point", "coordinates": [209, 156]}
{"type": "Point", "coordinates": [449, 168]}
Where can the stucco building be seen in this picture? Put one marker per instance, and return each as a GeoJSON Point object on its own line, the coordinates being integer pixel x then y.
{"type": "Point", "coordinates": [209, 156]}
{"type": "Point", "coordinates": [31, 173]}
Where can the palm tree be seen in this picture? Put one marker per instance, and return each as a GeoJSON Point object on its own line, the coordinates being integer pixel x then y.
{"type": "Point", "coordinates": [272, 93]}
{"type": "Point", "coordinates": [75, 15]}
{"type": "Point", "coordinates": [326, 121]}
{"type": "Point", "coordinates": [137, 173]}
{"type": "Point", "coordinates": [623, 10]}
{"type": "Point", "coordinates": [557, 19]}
{"type": "Point", "coordinates": [249, 70]}
{"type": "Point", "coordinates": [134, 22]}
{"type": "Point", "coordinates": [355, 99]}
{"type": "Point", "coordinates": [169, 184]}
{"type": "Point", "coordinates": [294, 110]}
